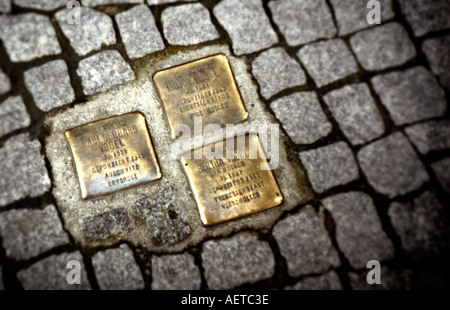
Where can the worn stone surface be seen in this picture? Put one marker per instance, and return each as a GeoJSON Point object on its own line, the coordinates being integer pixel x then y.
{"type": "Point", "coordinates": [21, 44]}
{"type": "Point", "coordinates": [139, 32]}
{"type": "Point", "coordinates": [430, 136]}
{"type": "Point", "coordinates": [110, 224]}
{"type": "Point", "coordinates": [436, 51]}
{"type": "Point", "coordinates": [5, 84]}
{"type": "Point", "coordinates": [13, 115]}
{"type": "Point", "coordinates": [382, 47]}
{"type": "Point", "coordinates": [188, 24]}
{"type": "Point", "coordinates": [391, 166]}
{"type": "Point", "coordinates": [234, 261]}
{"type": "Point", "coordinates": [22, 173]}
{"type": "Point", "coordinates": [304, 243]}
{"type": "Point", "coordinates": [28, 233]}
{"type": "Point", "coordinates": [164, 218]}
{"type": "Point", "coordinates": [175, 272]}
{"type": "Point", "coordinates": [426, 16]}
{"type": "Point", "coordinates": [94, 31]}
{"type": "Point", "coordinates": [359, 233]}
{"type": "Point", "coordinates": [328, 61]}
{"type": "Point", "coordinates": [302, 117]}
{"type": "Point", "coordinates": [106, 2]}
{"type": "Point", "coordinates": [275, 71]}
{"type": "Point", "coordinates": [391, 279]}
{"type": "Point", "coordinates": [49, 84]}
{"type": "Point", "coordinates": [51, 274]}
{"type": "Point", "coordinates": [327, 281]}
{"type": "Point", "coordinates": [5, 7]}
{"type": "Point", "coordinates": [356, 113]}
{"type": "Point", "coordinates": [351, 15]}
{"type": "Point", "coordinates": [329, 166]}
{"type": "Point", "coordinates": [116, 269]}
{"type": "Point", "coordinates": [303, 21]}
{"type": "Point", "coordinates": [103, 71]}
{"type": "Point", "coordinates": [411, 95]}
{"type": "Point", "coordinates": [156, 2]}
{"type": "Point", "coordinates": [442, 172]}
{"type": "Point", "coordinates": [247, 24]}
{"type": "Point", "coordinates": [422, 226]}
{"type": "Point", "coordinates": [41, 5]}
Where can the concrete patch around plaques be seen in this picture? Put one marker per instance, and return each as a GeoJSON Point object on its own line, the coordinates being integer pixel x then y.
{"type": "Point", "coordinates": [140, 96]}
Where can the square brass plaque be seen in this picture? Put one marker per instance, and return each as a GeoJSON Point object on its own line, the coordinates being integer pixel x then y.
{"type": "Point", "coordinates": [113, 154]}
{"type": "Point", "coordinates": [204, 87]}
{"type": "Point", "coordinates": [226, 189]}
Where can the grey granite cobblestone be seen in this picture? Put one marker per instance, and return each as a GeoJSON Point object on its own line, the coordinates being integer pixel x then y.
{"type": "Point", "coordinates": [13, 115]}
{"type": "Point", "coordinates": [327, 281]}
{"type": "Point", "coordinates": [436, 51]}
{"type": "Point", "coordinates": [116, 269]}
{"type": "Point", "coordinates": [175, 272]}
{"type": "Point", "coordinates": [92, 3]}
{"type": "Point", "coordinates": [442, 172]}
{"type": "Point", "coordinates": [27, 233]}
{"type": "Point", "coordinates": [305, 244]}
{"type": "Point", "coordinates": [302, 117]}
{"type": "Point", "coordinates": [110, 224]}
{"type": "Point", "coordinates": [247, 24]}
{"type": "Point", "coordinates": [24, 45]}
{"type": "Point", "coordinates": [41, 5]}
{"type": "Point", "coordinates": [5, 84]}
{"type": "Point", "coordinates": [430, 136]}
{"type": "Point", "coordinates": [139, 32]}
{"type": "Point", "coordinates": [5, 7]}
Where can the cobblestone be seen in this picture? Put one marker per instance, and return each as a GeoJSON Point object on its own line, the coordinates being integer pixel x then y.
{"type": "Point", "coordinates": [382, 47]}
{"type": "Point", "coordinates": [5, 7]}
{"type": "Point", "coordinates": [411, 95]}
{"type": "Point", "coordinates": [188, 24]}
{"type": "Point", "coordinates": [302, 117]}
{"type": "Point", "coordinates": [103, 71]}
{"type": "Point", "coordinates": [327, 281]}
{"type": "Point", "coordinates": [354, 109]}
{"type": "Point", "coordinates": [421, 225]}
{"type": "Point", "coordinates": [23, 171]}
{"type": "Point", "coordinates": [175, 272]}
{"type": "Point", "coordinates": [328, 61]}
{"type": "Point", "coordinates": [430, 136]}
{"type": "Point", "coordinates": [51, 274]}
{"type": "Point", "coordinates": [93, 3]}
{"type": "Point", "coordinates": [116, 269]}
{"type": "Point", "coordinates": [41, 5]}
{"type": "Point", "coordinates": [391, 279]}
{"type": "Point", "coordinates": [442, 173]}
{"type": "Point", "coordinates": [439, 60]}
{"type": "Point", "coordinates": [247, 25]}
{"type": "Point", "coordinates": [305, 244]}
{"type": "Point", "coordinates": [237, 260]}
{"type": "Point", "coordinates": [27, 233]}
{"type": "Point", "coordinates": [419, 13]}
{"type": "Point", "coordinates": [5, 84]}
{"type": "Point", "coordinates": [164, 218]}
{"type": "Point", "coordinates": [391, 166]}
{"type": "Point", "coordinates": [24, 45]}
{"type": "Point", "coordinates": [359, 233]}
{"type": "Point", "coordinates": [13, 115]}
{"type": "Point", "coordinates": [107, 225]}
{"type": "Point", "coordinates": [303, 21]}
{"type": "Point", "coordinates": [275, 71]}
{"type": "Point", "coordinates": [351, 15]}
{"type": "Point", "coordinates": [156, 2]}
{"type": "Point", "coordinates": [139, 32]}
{"type": "Point", "coordinates": [94, 31]}
{"type": "Point", "coordinates": [330, 166]}
{"type": "Point", "coordinates": [49, 85]}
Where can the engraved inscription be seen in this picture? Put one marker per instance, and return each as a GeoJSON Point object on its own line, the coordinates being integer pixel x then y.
{"type": "Point", "coordinates": [113, 154]}
{"type": "Point", "coordinates": [229, 188]}
{"type": "Point", "coordinates": [205, 88]}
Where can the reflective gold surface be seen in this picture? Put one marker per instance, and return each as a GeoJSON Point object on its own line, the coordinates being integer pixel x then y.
{"type": "Point", "coordinates": [226, 189]}
{"type": "Point", "coordinates": [205, 87]}
{"type": "Point", "coordinates": [113, 154]}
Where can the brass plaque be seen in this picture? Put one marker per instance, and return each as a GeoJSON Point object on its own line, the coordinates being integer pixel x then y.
{"type": "Point", "coordinates": [204, 87]}
{"type": "Point", "coordinates": [113, 154]}
{"type": "Point", "coordinates": [234, 186]}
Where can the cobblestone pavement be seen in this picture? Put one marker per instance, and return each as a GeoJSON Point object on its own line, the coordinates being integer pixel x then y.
{"type": "Point", "coordinates": [365, 163]}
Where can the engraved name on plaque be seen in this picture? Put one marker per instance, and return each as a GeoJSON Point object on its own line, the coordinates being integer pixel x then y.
{"type": "Point", "coordinates": [113, 154]}
{"type": "Point", "coordinates": [230, 188]}
{"type": "Point", "coordinates": [204, 87]}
